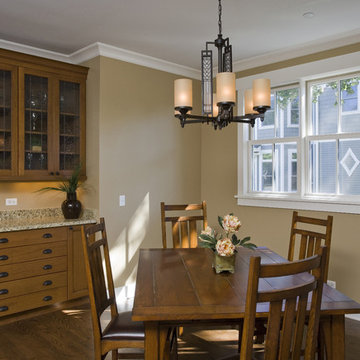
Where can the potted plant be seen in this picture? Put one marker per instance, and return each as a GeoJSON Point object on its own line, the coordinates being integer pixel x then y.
{"type": "Point", "coordinates": [71, 207]}
{"type": "Point", "coordinates": [224, 247]}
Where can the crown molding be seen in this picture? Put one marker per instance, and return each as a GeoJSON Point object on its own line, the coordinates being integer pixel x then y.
{"type": "Point", "coordinates": [100, 49]}
{"type": "Point", "coordinates": [31, 50]}
{"type": "Point", "coordinates": [135, 58]}
{"type": "Point", "coordinates": [296, 51]}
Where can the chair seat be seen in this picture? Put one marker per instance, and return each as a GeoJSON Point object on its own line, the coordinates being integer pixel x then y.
{"type": "Point", "coordinates": [123, 328]}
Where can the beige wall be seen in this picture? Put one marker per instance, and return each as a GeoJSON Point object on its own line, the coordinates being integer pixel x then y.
{"type": "Point", "coordinates": [144, 154]}
{"type": "Point", "coordinates": [267, 226]}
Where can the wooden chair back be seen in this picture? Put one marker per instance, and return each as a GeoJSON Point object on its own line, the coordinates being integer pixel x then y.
{"type": "Point", "coordinates": [305, 243]}
{"type": "Point", "coordinates": [287, 308]}
{"type": "Point", "coordinates": [184, 226]}
{"type": "Point", "coordinates": [99, 275]}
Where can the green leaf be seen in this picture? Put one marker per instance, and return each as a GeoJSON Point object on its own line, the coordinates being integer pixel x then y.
{"type": "Point", "coordinates": [206, 245]}
{"type": "Point", "coordinates": [67, 185]}
{"type": "Point", "coordinates": [245, 239]}
{"type": "Point", "coordinates": [206, 237]}
{"type": "Point", "coordinates": [235, 240]}
{"type": "Point", "coordinates": [220, 219]}
{"type": "Point", "coordinates": [250, 246]}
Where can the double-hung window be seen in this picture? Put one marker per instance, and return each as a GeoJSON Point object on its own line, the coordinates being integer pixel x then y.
{"type": "Point", "coordinates": [274, 144]}
{"type": "Point", "coordinates": [307, 149]}
{"type": "Point", "coordinates": [334, 137]}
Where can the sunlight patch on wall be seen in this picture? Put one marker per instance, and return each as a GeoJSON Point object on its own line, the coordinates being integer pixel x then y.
{"type": "Point", "coordinates": [123, 251]}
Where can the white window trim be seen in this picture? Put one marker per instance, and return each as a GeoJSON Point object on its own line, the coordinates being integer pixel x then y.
{"type": "Point", "coordinates": [297, 74]}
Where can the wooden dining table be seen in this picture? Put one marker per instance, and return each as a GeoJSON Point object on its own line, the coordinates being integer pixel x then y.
{"type": "Point", "coordinates": [179, 286]}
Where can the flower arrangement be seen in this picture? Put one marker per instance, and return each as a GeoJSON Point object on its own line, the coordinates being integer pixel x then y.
{"type": "Point", "coordinates": [225, 246]}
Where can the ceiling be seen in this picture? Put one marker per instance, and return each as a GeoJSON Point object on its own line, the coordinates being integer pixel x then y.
{"type": "Point", "coordinates": [176, 30]}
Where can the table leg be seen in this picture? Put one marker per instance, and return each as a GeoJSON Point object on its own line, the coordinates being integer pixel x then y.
{"type": "Point", "coordinates": [338, 336]}
{"type": "Point", "coordinates": [151, 340]}
{"type": "Point", "coordinates": [333, 329]}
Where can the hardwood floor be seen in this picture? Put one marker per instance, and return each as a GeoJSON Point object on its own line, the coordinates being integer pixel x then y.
{"type": "Point", "coordinates": [67, 335]}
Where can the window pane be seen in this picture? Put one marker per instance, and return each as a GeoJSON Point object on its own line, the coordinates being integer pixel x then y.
{"type": "Point", "coordinates": [325, 108]}
{"type": "Point", "coordinates": [288, 112]}
{"type": "Point", "coordinates": [262, 167]}
{"type": "Point", "coordinates": [285, 167]}
{"type": "Point", "coordinates": [282, 120]}
{"type": "Point", "coordinates": [349, 170]}
{"type": "Point", "coordinates": [265, 129]}
{"type": "Point", "coordinates": [350, 112]}
{"type": "Point", "coordinates": [323, 167]}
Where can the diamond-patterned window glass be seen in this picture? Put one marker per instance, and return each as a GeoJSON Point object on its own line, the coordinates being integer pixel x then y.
{"type": "Point", "coordinates": [349, 169]}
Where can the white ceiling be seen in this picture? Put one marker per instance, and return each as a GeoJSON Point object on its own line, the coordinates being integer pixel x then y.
{"type": "Point", "coordinates": [176, 30]}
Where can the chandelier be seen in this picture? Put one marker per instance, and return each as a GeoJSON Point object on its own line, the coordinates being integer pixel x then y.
{"type": "Point", "coordinates": [217, 108]}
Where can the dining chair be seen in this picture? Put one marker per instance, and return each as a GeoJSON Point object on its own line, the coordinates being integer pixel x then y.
{"type": "Point", "coordinates": [287, 307]}
{"type": "Point", "coordinates": [307, 235]}
{"type": "Point", "coordinates": [183, 220]}
{"type": "Point", "coordinates": [120, 332]}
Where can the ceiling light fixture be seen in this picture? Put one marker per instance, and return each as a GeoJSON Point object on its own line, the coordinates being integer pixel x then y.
{"type": "Point", "coordinates": [217, 109]}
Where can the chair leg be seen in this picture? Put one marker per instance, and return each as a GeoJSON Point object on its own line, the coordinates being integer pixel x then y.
{"type": "Point", "coordinates": [241, 325]}
{"type": "Point", "coordinates": [114, 355]}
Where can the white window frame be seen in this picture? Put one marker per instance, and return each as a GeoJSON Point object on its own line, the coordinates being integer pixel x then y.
{"type": "Point", "coordinates": [301, 200]}
{"type": "Point", "coordinates": [290, 162]}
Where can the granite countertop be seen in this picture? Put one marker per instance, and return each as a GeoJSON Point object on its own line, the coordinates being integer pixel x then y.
{"type": "Point", "coordinates": [16, 220]}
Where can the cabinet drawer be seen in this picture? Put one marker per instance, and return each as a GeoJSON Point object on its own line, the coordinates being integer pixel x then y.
{"type": "Point", "coordinates": [33, 284]}
{"type": "Point", "coordinates": [29, 237]}
{"type": "Point", "coordinates": [32, 301]}
{"type": "Point", "coordinates": [32, 252]}
{"type": "Point", "coordinates": [32, 268]}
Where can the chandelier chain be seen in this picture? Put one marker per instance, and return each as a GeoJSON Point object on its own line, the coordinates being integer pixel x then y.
{"type": "Point", "coordinates": [219, 22]}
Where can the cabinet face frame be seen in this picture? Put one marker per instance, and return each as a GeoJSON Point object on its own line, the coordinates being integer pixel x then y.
{"type": "Point", "coordinates": [21, 64]}
{"type": "Point", "coordinates": [14, 125]}
{"type": "Point", "coordinates": [77, 281]}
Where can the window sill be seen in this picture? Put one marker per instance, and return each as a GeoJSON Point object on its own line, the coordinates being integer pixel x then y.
{"type": "Point", "coordinates": [296, 203]}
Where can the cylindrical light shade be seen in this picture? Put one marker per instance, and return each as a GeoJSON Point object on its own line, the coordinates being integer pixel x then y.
{"type": "Point", "coordinates": [215, 108]}
{"type": "Point", "coordinates": [225, 87]}
{"type": "Point", "coordinates": [248, 101]}
{"type": "Point", "coordinates": [261, 92]}
{"type": "Point", "coordinates": [183, 93]}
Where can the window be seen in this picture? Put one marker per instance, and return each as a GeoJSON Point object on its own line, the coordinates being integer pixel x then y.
{"type": "Point", "coordinates": [271, 146]}
{"type": "Point", "coordinates": [308, 146]}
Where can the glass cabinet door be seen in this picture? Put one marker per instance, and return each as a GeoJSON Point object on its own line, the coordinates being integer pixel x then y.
{"type": "Point", "coordinates": [7, 120]}
{"type": "Point", "coordinates": [36, 122]}
{"type": "Point", "coordinates": [69, 125]}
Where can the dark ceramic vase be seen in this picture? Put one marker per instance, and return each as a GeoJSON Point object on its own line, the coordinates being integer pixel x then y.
{"type": "Point", "coordinates": [71, 207]}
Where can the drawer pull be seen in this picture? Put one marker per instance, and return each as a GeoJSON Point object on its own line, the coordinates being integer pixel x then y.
{"type": "Point", "coordinates": [3, 257]}
{"type": "Point", "coordinates": [47, 236]}
{"type": "Point", "coordinates": [4, 291]}
{"type": "Point", "coordinates": [47, 282]}
{"type": "Point", "coordinates": [47, 298]}
{"type": "Point", "coordinates": [4, 274]}
{"type": "Point", "coordinates": [4, 308]}
{"type": "Point", "coordinates": [4, 241]}
{"type": "Point", "coordinates": [47, 251]}
{"type": "Point", "coordinates": [47, 267]}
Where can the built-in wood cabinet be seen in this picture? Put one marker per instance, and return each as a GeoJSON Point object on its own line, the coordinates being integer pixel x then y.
{"type": "Point", "coordinates": [42, 117]}
{"type": "Point", "coordinates": [40, 267]}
